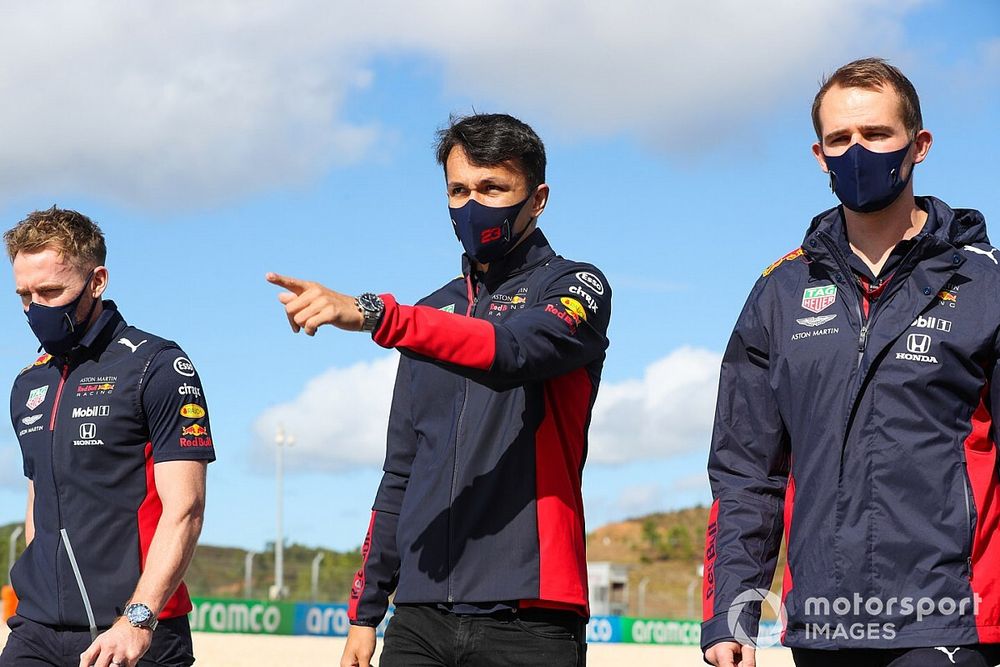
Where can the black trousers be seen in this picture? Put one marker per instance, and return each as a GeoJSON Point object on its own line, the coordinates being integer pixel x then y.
{"type": "Point", "coordinates": [978, 655]}
{"type": "Point", "coordinates": [426, 636]}
{"type": "Point", "coordinates": [32, 644]}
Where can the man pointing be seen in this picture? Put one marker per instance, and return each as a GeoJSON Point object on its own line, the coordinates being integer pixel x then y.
{"type": "Point", "coordinates": [478, 524]}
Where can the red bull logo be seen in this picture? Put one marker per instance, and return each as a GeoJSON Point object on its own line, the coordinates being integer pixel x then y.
{"type": "Point", "coordinates": [947, 296]}
{"type": "Point", "coordinates": [106, 387]}
{"type": "Point", "coordinates": [196, 442]}
{"type": "Point", "coordinates": [195, 430]}
{"type": "Point", "coordinates": [795, 254]}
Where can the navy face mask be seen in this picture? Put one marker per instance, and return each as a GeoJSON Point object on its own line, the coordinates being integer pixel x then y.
{"type": "Point", "coordinates": [865, 181]}
{"type": "Point", "coordinates": [55, 327]}
{"type": "Point", "coordinates": [486, 232]}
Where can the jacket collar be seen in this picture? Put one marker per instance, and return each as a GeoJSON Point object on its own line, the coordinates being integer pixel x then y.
{"type": "Point", "coordinates": [533, 251]}
{"type": "Point", "coordinates": [109, 323]}
{"type": "Point", "coordinates": [945, 228]}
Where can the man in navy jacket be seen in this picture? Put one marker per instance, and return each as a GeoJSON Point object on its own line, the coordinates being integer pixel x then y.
{"type": "Point", "coordinates": [478, 524]}
{"type": "Point", "coordinates": [855, 414]}
{"type": "Point", "coordinates": [115, 437]}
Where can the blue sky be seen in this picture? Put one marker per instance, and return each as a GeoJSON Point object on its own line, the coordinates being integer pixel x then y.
{"type": "Point", "coordinates": [217, 141]}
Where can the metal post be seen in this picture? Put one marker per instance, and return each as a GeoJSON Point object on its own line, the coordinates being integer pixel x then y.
{"type": "Point", "coordinates": [278, 591]}
{"type": "Point", "coordinates": [691, 587]}
{"type": "Point", "coordinates": [315, 575]}
{"type": "Point", "coordinates": [12, 554]}
{"type": "Point", "coordinates": [248, 575]}
{"type": "Point", "coordinates": [642, 596]}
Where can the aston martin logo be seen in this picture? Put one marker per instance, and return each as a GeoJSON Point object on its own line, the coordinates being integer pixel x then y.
{"type": "Point", "coordinates": [815, 321]}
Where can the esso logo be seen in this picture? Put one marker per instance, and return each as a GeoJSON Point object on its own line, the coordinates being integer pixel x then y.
{"type": "Point", "coordinates": [591, 281]}
{"type": "Point", "coordinates": [184, 367]}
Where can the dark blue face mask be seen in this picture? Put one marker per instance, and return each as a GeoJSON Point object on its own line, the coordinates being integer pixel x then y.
{"type": "Point", "coordinates": [486, 232]}
{"type": "Point", "coordinates": [55, 326]}
{"type": "Point", "coordinates": [865, 181]}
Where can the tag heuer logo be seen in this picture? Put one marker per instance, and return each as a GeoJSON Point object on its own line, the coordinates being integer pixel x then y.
{"type": "Point", "coordinates": [37, 397]}
{"type": "Point", "coordinates": [818, 299]}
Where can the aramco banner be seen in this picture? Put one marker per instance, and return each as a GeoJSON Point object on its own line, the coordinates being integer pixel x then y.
{"type": "Point", "coordinates": [330, 620]}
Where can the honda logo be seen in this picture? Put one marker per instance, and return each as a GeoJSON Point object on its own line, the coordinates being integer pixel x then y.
{"type": "Point", "coordinates": [88, 431]}
{"type": "Point", "coordinates": [918, 343]}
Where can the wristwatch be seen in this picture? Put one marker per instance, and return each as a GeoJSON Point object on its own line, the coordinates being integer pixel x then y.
{"type": "Point", "coordinates": [140, 616]}
{"type": "Point", "coordinates": [372, 307]}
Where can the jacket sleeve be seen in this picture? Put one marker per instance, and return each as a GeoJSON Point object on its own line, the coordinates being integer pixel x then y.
{"type": "Point", "coordinates": [564, 329]}
{"type": "Point", "coordinates": [379, 572]}
{"type": "Point", "coordinates": [748, 469]}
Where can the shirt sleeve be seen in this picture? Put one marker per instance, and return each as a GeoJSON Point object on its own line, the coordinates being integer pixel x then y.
{"type": "Point", "coordinates": [28, 464]}
{"type": "Point", "coordinates": [176, 411]}
{"type": "Point", "coordinates": [565, 328]}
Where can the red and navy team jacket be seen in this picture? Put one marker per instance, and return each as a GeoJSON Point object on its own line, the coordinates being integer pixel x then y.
{"type": "Point", "coordinates": [868, 440]}
{"type": "Point", "coordinates": [480, 501]}
{"type": "Point", "coordinates": [91, 427]}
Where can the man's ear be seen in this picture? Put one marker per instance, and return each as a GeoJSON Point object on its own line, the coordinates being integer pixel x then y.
{"type": "Point", "coordinates": [820, 158]}
{"type": "Point", "coordinates": [99, 282]}
{"type": "Point", "coordinates": [922, 145]}
{"type": "Point", "coordinates": [539, 199]}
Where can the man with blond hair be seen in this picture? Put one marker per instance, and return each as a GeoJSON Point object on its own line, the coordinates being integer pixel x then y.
{"type": "Point", "coordinates": [115, 438]}
{"type": "Point", "coordinates": [855, 415]}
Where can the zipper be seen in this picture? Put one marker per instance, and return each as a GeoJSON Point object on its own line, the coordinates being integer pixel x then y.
{"type": "Point", "coordinates": [474, 301]}
{"type": "Point", "coordinates": [59, 391]}
{"type": "Point", "coordinates": [862, 341]}
{"type": "Point", "coordinates": [845, 268]}
{"type": "Point", "coordinates": [968, 523]}
{"type": "Point", "coordinates": [55, 483]}
{"type": "Point", "coordinates": [79, 583]}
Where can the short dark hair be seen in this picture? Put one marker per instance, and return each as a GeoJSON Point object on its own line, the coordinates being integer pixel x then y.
{"type": "Point", "coordinates": [873, 74]}
{"type": "Point", "coordinates": [489, 139]}
{"type": "Point", "coordinates": [72, 234]}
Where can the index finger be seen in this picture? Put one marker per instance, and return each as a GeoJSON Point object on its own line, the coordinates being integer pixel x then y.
{"type": "Point", "coordinates": [88, 657]}
{"type": "Point", "coordinates": [291, 284]}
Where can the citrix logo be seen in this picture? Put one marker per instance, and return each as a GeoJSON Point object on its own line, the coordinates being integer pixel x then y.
{"type": "Point", "coordinates": [189, 390]}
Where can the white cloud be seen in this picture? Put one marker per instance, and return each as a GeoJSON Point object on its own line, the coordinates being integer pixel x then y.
{"type": "Point", "coordinates": [640, 499]}
{"type": "Point", "coordinates": [176, 103]}
{"type": "Point", "coordinates": [184, 103]}
{"type": "Point", "coordinates": [339, 419]}
{"type": "Point", "coordinates": [668, 411]}
{"type": "Point", "coordinates": [695, 483]}
{"type": "Point", "coordinates": [679, 75]}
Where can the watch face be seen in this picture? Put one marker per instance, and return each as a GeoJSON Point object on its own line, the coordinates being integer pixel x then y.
{"type": "Point", "coordinates": [370, 302]}
{"type": "Point", "coordinates": [138, 613]}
